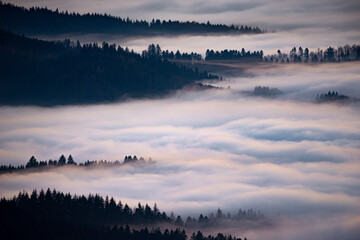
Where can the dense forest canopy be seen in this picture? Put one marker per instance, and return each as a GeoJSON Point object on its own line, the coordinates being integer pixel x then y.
{"type": "Point", "coordinates": [63, 72]}
{"type": "Point", "coordinates": [44, 21]}
{"type": "Point", "coordinates": [55, 215]}
{"type": "Point", "coordinates": [234, 54]}
{"type": "Point", "coordinates": [300, 55]}
{"type": "Point", "coordinates": [331, 54]}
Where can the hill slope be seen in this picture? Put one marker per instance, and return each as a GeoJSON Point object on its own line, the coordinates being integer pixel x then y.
{"type": "Point", "coordinates": [45, 21]}
{"type": "Point", "coordinates": [51, 73]}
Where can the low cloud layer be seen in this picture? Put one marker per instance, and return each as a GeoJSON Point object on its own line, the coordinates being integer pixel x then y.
{"type": "Point", "coordinates": [218, 148]}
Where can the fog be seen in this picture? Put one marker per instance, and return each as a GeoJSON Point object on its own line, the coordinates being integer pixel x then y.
{"type": "Point", "coordinates": [213, 149]}
{"type": "Point", "coordinates": [293, 159]}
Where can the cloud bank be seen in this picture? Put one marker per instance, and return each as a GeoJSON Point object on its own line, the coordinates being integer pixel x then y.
{"type": "Point", "coordinates": [218, 148]}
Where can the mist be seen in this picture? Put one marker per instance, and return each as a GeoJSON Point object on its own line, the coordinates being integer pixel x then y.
{"type": "Point", "coordinates": [293, 159]}
{"type": "Point", "coordinates": [290, 157]}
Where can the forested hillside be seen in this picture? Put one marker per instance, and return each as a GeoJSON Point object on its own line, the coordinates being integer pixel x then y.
{"type": "Point", "coordinates": [45, 21]}
{"type": "Point", "coordinates": [51, 73]}
{"type": "Point", "coordinates": [55, 215]}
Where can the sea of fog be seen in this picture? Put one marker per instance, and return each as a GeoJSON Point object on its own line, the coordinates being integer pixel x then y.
{"type": "Point", "coordinates": [293, 159]}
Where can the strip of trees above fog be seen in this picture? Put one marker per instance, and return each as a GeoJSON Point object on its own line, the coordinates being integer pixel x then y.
{"type": "Point", "coordinates": [233, 54]}
{"type": "Point", "coordinates": [39, 215]}
{"type": "Point", "coordinates": [266, 91]}
{"type": "Point", "coordinates": [34, 164]}
{"type": "Point", "coordinates": [331, 54]}
{"type": "Point", "coordinates": [44, 21]}
{"type": "Point", "coordinates": [155, 51]}
{"type": "Point", "coordinates": [334, 97]}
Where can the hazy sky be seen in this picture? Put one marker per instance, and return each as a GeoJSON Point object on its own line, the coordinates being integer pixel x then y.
{"type": "Point", "coordinates": [277, 14]}
{"type": "Point", "coordinates": [213, 149]}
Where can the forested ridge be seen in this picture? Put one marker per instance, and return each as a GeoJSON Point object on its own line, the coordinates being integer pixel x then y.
{"type": "Point", "coordinates": [63, 72]}
{"type": "Point", "coordinates": [34, 164]}
{"type": "Point", "coordinates": [331, 54]}
{"type": "Point", "coordinates": [344, 53]}
{"type": "Point", "coordinates": [44, 21]}
{"type": "Point", "coordinates": [55, 215]}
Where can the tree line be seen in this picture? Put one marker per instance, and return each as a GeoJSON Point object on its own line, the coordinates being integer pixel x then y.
{"type": "Point", "coordinates": [55, 215]}
{"type": "Point", "coordinates": [332, 96]}
{"type": "Point", "coordinates": [33, 163]}
{"type": "Point", "coordinates": [233, 54]}
{"type": "Point", "coordinates": [266, 91]}
{"type": "Point", "coordinates": [219, 219]}
{"type": "Point", "coordinates": [155, 51]}
{"type": "Point", "coordinates": [37, 20]}
{"type": "Point", "coordinates": [49, 73]}
{"type": "Point", "coordinates": [340, 54]}
{"type": "Point", "coordinates": [300, 55]}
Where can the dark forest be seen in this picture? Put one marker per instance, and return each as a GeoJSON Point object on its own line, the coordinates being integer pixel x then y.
{"type": "Point", "coordinates": [55, 215]}
{"type": "Point", "coordinates": [45, 21]}
{"type": "Point", "coordinates": [64, 72]}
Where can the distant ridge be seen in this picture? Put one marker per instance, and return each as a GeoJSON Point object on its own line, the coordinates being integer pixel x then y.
{"type": "Point", "coordinates": [44, 21]}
